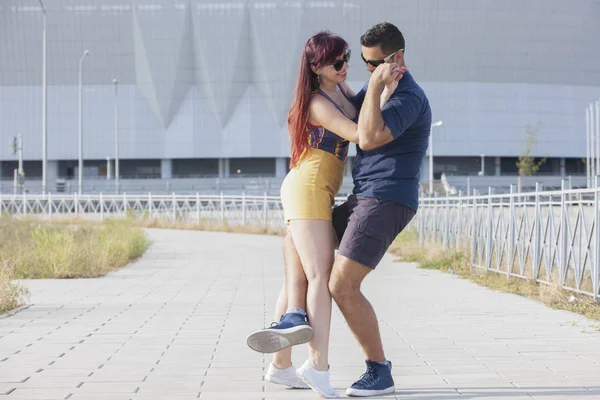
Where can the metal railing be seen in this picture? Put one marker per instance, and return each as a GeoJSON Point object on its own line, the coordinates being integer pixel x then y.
{"type": "Point", "coordinates": [550, 237]}
{"type": "Point", "coordinates": [232, 210]}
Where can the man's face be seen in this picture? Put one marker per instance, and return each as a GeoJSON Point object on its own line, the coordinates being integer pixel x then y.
{"type": "Point", "coordinates": [373, 56]}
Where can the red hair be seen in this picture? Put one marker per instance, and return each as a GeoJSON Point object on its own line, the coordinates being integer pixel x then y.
{"type": "Point", "coordinates": [320, 50]}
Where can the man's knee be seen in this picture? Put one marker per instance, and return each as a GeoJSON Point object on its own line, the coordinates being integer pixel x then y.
{"type": "Point", "coordinates": [336, 288]}
{"type": "Point", "coordinates": [342, 293]}
{"type": "Point", "coordinates": [346, 278]}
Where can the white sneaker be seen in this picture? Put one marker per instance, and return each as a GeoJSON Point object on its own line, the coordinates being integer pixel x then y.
{"type": "Point", "coordinates": [317, 380]}
{"type": "Point", "coordinates": [286, 377]}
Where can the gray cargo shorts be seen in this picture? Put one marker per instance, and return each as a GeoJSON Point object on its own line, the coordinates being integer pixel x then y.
{"type": "Point", "coordinates": [367, 226]}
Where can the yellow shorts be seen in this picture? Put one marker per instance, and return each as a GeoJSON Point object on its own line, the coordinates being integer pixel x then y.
{"type": "Point", "coordinates": [309, 189]}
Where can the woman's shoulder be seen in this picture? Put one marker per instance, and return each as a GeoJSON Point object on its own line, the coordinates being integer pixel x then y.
{"type": "Point", "coordinates": [317, 99]}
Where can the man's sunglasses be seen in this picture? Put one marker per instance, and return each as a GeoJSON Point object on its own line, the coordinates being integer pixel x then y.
{"type": "Point", "coordinates": [377, 63]}
{"type": "Point", "coordinates": [340, 63]}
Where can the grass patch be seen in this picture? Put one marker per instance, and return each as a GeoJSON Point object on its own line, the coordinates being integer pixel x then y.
{"type": "Point", "coordinates": [38, 249]}
{"type": "Point", "coordinates": [208, 225]}
{"type": "Point", "coordinates": [11, 294]}
{"type": "Point", "coordinates": [433, 256]}
{"type": "Point", "coordinates": [436, 264]}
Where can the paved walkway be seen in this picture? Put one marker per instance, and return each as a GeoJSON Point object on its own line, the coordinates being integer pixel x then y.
{"type": "Point", "coordinates": [172, 326]}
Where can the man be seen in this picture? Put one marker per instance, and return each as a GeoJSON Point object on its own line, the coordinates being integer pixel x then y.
{"type": "Point", "coordinates": [392, 145]}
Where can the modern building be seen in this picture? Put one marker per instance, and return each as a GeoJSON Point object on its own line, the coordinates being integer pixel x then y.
{"type": "Point", "coordinates": [203, 87]}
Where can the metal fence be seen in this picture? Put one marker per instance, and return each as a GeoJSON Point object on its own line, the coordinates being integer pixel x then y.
{"type": "Point", "coordinates": [549, 236]}
{"type": "Point", "coordinates": [232, 210]}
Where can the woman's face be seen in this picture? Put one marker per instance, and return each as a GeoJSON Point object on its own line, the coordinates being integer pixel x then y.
{"type": "Point", "coordinates": [336, 71]}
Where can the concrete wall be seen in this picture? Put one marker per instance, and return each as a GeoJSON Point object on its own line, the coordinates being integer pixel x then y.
{"type": "Point", "coordinates": [212, 79]}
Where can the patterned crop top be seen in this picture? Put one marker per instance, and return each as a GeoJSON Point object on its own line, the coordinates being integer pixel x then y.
{"type": "Point", "coordinates": [323, 139]}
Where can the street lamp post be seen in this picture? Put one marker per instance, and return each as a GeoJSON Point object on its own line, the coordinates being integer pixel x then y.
{"type": "Point", "coordinates": [116, 83]}
{"type": "Point", "coordinates": [592, 147]}
{"type": "Point", "coordinates": [597, 120]}
{"type": "Point", "coordinates": [438, 123]}
{"type": "Point", "coordinates": [44, 101]}
{"type": "Point", "coordinates": [588, 155]}
{"type": "Point", "coordinates": [108, 172]}
{"type": "Point", "coordinates": [80, 141]}
{"type": "Point", "coordinates": [482, 172]}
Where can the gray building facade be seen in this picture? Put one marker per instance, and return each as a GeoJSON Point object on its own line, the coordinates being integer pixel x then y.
{"type": "Point", "coordinates": [204, 86]}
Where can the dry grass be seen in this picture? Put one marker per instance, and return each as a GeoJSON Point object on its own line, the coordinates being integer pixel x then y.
{"type": "Point", "coordinates": [38, 249]}
{"type": "Point", "coordinates": [11, 294]}
{"type": "Point", "coordinates": [433, 256]}
{"type": "Point", "coordinates": [143, 221]}
{"type": "Point", "coordinates": [45, 250]}
{"type": "Point", "coordinates": [207, 225]}
{"type": "Point", "coordinates": [158, 223]}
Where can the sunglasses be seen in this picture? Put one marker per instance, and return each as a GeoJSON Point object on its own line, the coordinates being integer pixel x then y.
{"type": "Point", "coordinates": [340, 63]}
{"type": "Point", "coordinates": [377, 63]}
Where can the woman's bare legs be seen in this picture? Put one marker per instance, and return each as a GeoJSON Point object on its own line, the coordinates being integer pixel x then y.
{"type": "Point", "coordinates": [314, 242]}
{"type": "Point", "coordinates": [292, 294]}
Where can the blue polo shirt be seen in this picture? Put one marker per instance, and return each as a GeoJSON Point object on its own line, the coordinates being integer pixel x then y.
{"type": "Point", "coordinates": [391, 172]}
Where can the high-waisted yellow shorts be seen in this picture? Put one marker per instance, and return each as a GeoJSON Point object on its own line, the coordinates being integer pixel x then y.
{"type": "Point", "coordinates": [309, 189]}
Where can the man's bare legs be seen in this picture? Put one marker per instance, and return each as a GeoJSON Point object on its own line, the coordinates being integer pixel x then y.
{"type": "Point", "coordinates": [292, 294]}
{"type": "Point", "coordinates": [346, 278]}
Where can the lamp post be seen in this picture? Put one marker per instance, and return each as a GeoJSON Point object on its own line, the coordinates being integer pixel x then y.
{"type": "Point", "coordinates": [592, 138]}
{"type": "Point", "coordinates": [438, 123]}
{"type": "Point", "coordinates": [482, 172]}
{"type": "Point", "coordinates": [596, 106]}
{"type": "Point", "coordinates": [44, 101]}
{"type": "Point", "coordinates": [116, 83]}
{"type": "Point", "coordinates": [588, 156]}
{"type": "Point", "coordinates": [80, 141]}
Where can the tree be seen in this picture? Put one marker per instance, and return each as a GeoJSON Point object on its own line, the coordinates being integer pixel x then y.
{"type": "Point", "coordinates": [526, 163]}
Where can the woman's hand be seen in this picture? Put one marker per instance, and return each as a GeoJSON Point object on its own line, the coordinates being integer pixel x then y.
{"type": "Point", "coordinates": [390, 87]}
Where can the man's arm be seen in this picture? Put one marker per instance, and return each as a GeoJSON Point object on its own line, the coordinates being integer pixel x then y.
{"type": "Point", "coordinates": [372, 132]}
{"type": "Point", "coordinates": [379, 125]}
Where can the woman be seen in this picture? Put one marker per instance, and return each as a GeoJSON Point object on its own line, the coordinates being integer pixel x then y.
{"type": "Point", "coordinates": [320, 108]}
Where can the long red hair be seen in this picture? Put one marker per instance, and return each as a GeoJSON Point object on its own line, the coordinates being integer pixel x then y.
{"type": "Point", "coordinates": [320, 50]}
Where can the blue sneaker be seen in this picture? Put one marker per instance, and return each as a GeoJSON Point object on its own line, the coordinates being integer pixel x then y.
{"type": "Point", "coordinates": [377, 380]}
{"type": "Point", "coordinates": [292, 329]}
